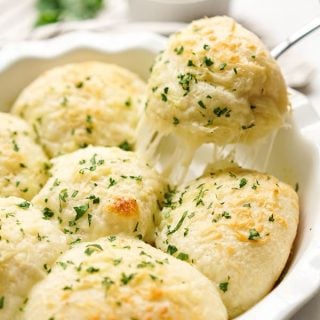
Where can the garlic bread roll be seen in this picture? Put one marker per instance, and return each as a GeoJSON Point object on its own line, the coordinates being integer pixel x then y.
{"type": "Point", "coordinates": [122, 278]}
{"type": "Point", "coordinates": [216, 82]}
{"type": "Point", "coordinates": [23, 164]}
{"type": "Point", "coordinates": [84, 103]}
{"type": "Point", "coordinates": [29, 246]}
{"type": "Point", "coordinates": [99, 191]}
{"type": "Point", "coordinates": [237, 227]}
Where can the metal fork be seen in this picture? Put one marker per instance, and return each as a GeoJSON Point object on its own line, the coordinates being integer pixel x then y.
{"type": "Point", "coordinates": [283, 46]}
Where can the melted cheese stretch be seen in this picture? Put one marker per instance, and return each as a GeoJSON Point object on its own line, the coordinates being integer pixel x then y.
{"type": "Point", "coordinates": [180, 157]}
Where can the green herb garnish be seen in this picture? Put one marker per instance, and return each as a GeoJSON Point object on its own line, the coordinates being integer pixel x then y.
{"type": "Point", "coordinates": [254, 234]}
{"type": "Point", "coordinates": [80, 211]}
{"type": "Point", "coordinates": [51, 11]}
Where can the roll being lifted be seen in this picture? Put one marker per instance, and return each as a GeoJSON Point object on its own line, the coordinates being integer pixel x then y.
{"type": "Point", "coordinates": [215, 82]}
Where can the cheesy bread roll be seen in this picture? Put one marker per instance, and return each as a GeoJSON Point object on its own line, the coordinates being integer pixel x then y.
{"type": "Point", "coordinates": [84, 103]}
{"type": "Point", "coordinates": [99, 191]}
{"type": "Point", "coordinates": [29, 246]}
{"type": "Point", "coordinates": [237, 227]}
{"type": "Point", "coordinates": [122, 278]}
{"type": "Point", "coordinates": [23, 164]}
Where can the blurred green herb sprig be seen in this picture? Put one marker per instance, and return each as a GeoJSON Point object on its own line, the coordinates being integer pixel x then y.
{"type": "Point", "coordinates": [51, 11]}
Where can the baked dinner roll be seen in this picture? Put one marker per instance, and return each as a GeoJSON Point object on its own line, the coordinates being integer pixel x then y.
{"type": "Point", "coordinates": [23, 164]}
{"type": "Point", "coordinates": [215, 82]}
{"type": "Point", "coordinates": [29, 245]}
{"type": "Point", "coordinates": [99, 191]}
{"type": "Point", "coordinates": [122, 278]}
{"type": "Point", "coordinates": [237, 227]}
{"type": "Point", "coordinates": [78, 104]}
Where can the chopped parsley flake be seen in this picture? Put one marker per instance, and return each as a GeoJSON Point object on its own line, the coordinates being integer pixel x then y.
{"type": "Point", "coordinates": [125, 145]}
{"type": "Point", "coordinates": [137, 178]}
{"type": "Point", "coordinates": [63, 195]}
{"type": "Point", "coordinates": [185, 81]}
{"type": "Point", "coordinates": [117, 261]}
{"type": "Point", "coordinates": [251, 125]}
{"type": "Point", "coordinates": [223, 286]}
{"type": "Point", "coordinates": [206, 47]}
{"type": "Point", "coordinates": [208, 62]}
{"type": "Point", "coordinates": [254, 234]}
{"type": "Point", "coordinates": [91, 248]}
{"type": "Point", "coordinates": [128, 102]}
{"type": "Point", "coordinates": [80, 211]}
{"type": "Point", "coordinates": [94, 199]}
{"type": "Point", "coordinates": [125, 279]}
{"type": "Point", "coordinates": [271, 218]}
{"type": "Point", "coordinates": [89, 219]}
{"type": "Point", "coordinates": [1, 302]}
{"type": "Point", "coordinates": [164, 94]}
{"type": "Point", "coordinates": [222, 66]}
{"type": "Point", "coordinates": [191, 64]}
{"type": "Point", "coordinates": [175, 121]}
{"type": "Point", "coordinates": [24, 205]}
{"type": "Point", "coordinates": [47, 213]}
{"type": "Point", "coordinates": [15, 146]}
{"type": "Point", "coordinates": [92, 270]}
{"type": "Point", "coordinates": [171, 249]}
{"type": "Point", "coordinates": [62, 264]}
{"type": "Point", "coordinates": [183, 256]}
{"type": "Point", "coordinates": [74, 194]}
{"type": "Point", "coordinates": [218, 111]}
{"type": "Point", "coordinates": [199, 197]}
{"type": "Point", "coordinates": [164, 97]}
{"type": "Point", "coordinates": [179, 224]}
{"type": "Point", "coordinates": [79, 85]}
{"type": "Point", "coordinates": [112, 238]}
{"type": "Point", "coordinates": [201, 104]}
{"type": "Point", "coordinates": [226, 215]}
{"type": "Point", "coordinates": [243, 182]}
{"type": "Point", "coordinates": [107, 282]}
{"type": "Point", "coordinates": [179, 50]}
{"type": "Point", "coordinates": [112, 182]}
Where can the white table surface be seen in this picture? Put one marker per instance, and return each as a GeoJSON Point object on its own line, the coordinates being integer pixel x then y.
{"type": "Point", "coordinates": [272, 20]}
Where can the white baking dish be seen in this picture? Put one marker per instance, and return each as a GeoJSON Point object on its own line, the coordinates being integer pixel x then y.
{"type": "Point", "coordinates": [294, 157]}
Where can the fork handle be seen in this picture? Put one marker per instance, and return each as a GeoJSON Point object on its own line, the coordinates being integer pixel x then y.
{"type": "Point", "coordinates": [283, 46]}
